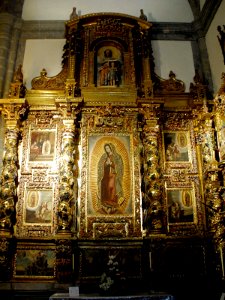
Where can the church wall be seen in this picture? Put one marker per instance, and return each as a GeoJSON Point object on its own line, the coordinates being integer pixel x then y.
{"type": "Point", "coordinates": [213, 46]}
{"type": "Point", "coordinates": [176, 56]}
{"type": "Point", "coordinates": [39, 54]}
{"type": "Point", "coordinates": [42, 10]}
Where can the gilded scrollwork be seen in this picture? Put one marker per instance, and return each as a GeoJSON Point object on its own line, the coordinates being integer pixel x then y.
{"type": "Point", "coordinates": [171, 85]}
{"type": "Point", "coordinates": [214, 202]}
{"type": "Point", "coordinates": [43, 82]}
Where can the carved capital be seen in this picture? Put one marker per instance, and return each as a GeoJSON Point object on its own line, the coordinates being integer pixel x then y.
{"type": "Point", "coordinates": [69, 108]}
{"type": "Point", "coordinates": [13, 111]}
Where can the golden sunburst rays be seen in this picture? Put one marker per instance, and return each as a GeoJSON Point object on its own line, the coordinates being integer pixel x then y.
{"type": "Point", "coordinates": [96, 150]}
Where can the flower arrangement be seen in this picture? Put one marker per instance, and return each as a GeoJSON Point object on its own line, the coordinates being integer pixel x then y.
{"type": "Point", "coordinates": [108, 278]}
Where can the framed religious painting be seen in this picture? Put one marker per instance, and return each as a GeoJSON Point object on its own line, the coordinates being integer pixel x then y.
{"type": "Point", "coordinates": [109, 66]}
{"type": "Point", "coordinates": [110, 197]}
{"type": "Point", "coordinates": [36, 209]}
{"type": "Point", "coordinates": [35, 262]}
{"type": "Point", "coordinates": [181, 206]}
{"type": "Point", "coordinates": [177, 148]}
{"type": "Point", "coordinates": [41, 145]}
{"type": "Point", "coordinates": [38, 206]}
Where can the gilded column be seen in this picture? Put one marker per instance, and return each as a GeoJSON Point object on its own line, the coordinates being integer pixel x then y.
{"type": "Point", "coordinates": [151, 175]}
{"type": "Point", "coordinates": [68, 166]}
{"type": "Point", "coordinates": [12, 112]}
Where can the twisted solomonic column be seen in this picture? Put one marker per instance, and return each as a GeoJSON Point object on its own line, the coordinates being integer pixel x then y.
{"type": "Point", "coordinates": [151, 175]}
{"type": "Point", "coordinates": [69, 108]}
{"type": "Point", "coordinates": [8, 181]}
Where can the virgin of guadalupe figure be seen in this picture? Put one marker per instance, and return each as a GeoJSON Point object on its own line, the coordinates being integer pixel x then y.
{"type": "Point", "coordinates": [110, 174]}
{"type": "Point", "coordinates": [46, 147]}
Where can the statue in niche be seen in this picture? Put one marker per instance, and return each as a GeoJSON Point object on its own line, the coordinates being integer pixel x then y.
{"type": "Point", "coordinates": [221, 39]}
{"type": "Point", "coordinates": [109, 68]}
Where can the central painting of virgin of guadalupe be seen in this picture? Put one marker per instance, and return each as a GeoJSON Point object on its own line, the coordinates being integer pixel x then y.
{"type": "Point", "coordinates": [109, 189]}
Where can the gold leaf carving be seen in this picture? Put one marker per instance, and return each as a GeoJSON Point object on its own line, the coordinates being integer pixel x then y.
{"type": "Point", "coordinates": [50, 83]}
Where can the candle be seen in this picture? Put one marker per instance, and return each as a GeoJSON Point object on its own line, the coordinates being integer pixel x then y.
{"type": "Point", "coordinates": [150, 260]}
{"type": "Point", "coordinates": [221, 257]}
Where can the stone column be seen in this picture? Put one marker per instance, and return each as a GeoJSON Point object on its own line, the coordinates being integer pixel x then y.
{"type": "Point", "coordinates": [6, 27]}
{"type": "Point", "coordinates": [10, 68]}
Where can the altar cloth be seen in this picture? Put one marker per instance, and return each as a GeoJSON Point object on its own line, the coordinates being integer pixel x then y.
{"type": "Point", "coordinates": [62, 296]}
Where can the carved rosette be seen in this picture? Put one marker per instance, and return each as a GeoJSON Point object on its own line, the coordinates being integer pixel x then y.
{"type": "Point", "coordinates": [151, 179]}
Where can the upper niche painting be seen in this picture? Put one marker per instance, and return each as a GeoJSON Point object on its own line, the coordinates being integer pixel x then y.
{"type": "Point", "coordinates": [109, 66]}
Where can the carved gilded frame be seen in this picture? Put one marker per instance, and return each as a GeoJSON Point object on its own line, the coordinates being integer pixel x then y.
{"type": "Point", "coordinates": [177, 148]}
{"type": "Point", "coordinates": [40, 146]}
{"type": "Point", "coordinates": [181, 206]}
{"type": "Point", "coordinates": [117, 217]}
{"type": "Point", "coordinates": [185, 195]}
{"type": "Point", "coordinates": [36, 209]}
{"type": "Point", "coordinates": [35, 262]}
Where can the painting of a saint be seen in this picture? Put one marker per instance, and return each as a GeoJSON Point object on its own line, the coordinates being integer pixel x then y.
{"type": "Point", "coordinates": [110, 176]}
{"type": "Point", "coordinates": [42, 145]}
{"type": "Point", "coordinates": [109, 67]}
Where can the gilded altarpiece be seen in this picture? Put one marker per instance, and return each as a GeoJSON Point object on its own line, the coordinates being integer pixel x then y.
{"type": "Point", "coordinates": [110, 174]}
